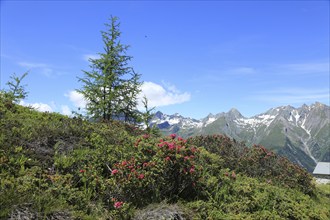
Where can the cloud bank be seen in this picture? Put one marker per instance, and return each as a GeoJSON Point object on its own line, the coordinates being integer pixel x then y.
{"type": "Point", "coordinates": [293, 95]}
{"type": "Point", "coordinates": [65, 110]}
{"type": "Point", "coordinates": [41, 107]}
{"type": "Point", "coordinates": [86, 57]}
{"type": "Point", "coordinates": [43, 68]}
{"type": "Point", "coordinates": [77, 99]}
{"type": "Point", "coordinates": [156, 94]}
{"type": "Point", "coordinates": [159, 96]}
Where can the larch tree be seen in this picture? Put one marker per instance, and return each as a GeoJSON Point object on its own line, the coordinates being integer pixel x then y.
{"type": "Point", "coordinates": [16, 90]}
{"type": "Point", "coordinates": [111, 86]}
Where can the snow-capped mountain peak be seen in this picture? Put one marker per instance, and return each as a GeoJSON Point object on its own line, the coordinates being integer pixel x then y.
{"type": "Point", "coordinates": [166, 121]}
{"type": "Point", "coordinates": [296, 132]}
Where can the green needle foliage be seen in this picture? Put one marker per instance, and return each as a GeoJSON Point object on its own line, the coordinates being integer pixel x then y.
{"type": "Point", "coordinates": [16, 90]}
{"type": "Point", "coordinates": [146, 117]}
{"type": "Point", "coordinates": [111, 86]}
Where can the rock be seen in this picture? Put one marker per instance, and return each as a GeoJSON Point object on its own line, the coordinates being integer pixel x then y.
{"type": "Point", "coordinates": [25, 212]}
{"type": "Point", "coordinates": [161, 211]}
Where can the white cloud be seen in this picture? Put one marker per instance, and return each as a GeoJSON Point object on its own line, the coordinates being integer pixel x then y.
{"type": "Point", "coordinates": [66, 110]}
{"type": "Point", "coordinates": [170, 87]}
{"type": "Point", "coordinates": [305, 68]}
{"type": "Point", "coordinates": [77, 99]}
{"type": "Point", "coordinates": [158, 96]}
{"type": "Point", "coordinates": [43, 68]}
{"type": "Point", "coordinates": [316, 67]}
{"type": "Point", "coordinates": [32, 65]}
{"type": "Point", "coordinates": [53, 105]}
{"type": "Point", "coordinates": [86, 57]}
{"type": "Point", "coordinates": [294, 95]}
{"type": "Point", "coordinates": [242, 71]}
{"type": "Point", "coordinates": [41, 107]}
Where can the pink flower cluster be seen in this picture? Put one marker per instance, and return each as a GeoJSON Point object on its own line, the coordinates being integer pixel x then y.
{"type": "Point", "coordinates": [192, 169]}
{"type": "Point", "coordinates": [114, 171]}
{"type": "Point", "coordinates": [170, 145]}
{"type": "Point", "coordinates": [131, 168]}
{"type": "Point", "coordinates": [118, 205]}
{"type": "Point", "coordinates": [169, 155]}
{"type": "Point", "coordinates": [173, 136]}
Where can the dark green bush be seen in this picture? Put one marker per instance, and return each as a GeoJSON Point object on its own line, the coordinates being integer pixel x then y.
{"type": "Point", "coordinates": [257, 162]}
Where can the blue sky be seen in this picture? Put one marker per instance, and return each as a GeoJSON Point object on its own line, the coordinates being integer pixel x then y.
{"type": "Point", "coordinates": [195, 57]}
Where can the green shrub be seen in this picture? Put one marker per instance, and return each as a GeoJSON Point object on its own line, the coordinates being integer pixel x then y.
{"type": "Point", "coordinates": [160, 169]}
{"type": "Point", "coordinates": [262, 163]}
{"type": "Point", "coordinates": [248, 198]}
{"type": "Point", "coordinates": [257, 162]}
{"type": "Point", "coordinates": [52, 165]}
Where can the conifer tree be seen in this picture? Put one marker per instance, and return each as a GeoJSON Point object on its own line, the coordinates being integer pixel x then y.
{"type": "Point", "coordinates": [146, 118]}
{"type": "Point", "coordinates": [16, 90]}
{"type": "Point", "coordinates": [111, 86]}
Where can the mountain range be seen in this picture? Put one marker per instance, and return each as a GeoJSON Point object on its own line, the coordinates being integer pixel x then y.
{"type": "Point", "coordinates": [301, 134]}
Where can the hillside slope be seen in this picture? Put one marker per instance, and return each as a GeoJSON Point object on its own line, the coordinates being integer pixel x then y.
{"type": "Point", "coordinates": [55, 167]}
{"type": "Point", "coordinates": [301, 134]}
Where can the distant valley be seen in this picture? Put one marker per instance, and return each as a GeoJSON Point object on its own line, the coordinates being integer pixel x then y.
{"type": "Point", "coordinates": [301, 134]}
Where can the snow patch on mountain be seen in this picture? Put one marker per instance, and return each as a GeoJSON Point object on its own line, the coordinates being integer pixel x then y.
{"type": "Point", "coordinates": [176, 119]}
{"type": "Point", "coordinates": [256, 121]}
{"type": "Point", "coordinates": [303, 127]}
{"type": "Point", "coordinates": [172, 121]}
{"type": "Point", "coordinates": [192, 123]}
{"type": "Point", "coordinates": [209, 121]}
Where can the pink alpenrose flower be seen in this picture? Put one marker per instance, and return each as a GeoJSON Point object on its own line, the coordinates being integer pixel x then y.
{"type": "Point", "coordinates": [118, 205]}
{"type": "Point", "coordinates": [173, 136]}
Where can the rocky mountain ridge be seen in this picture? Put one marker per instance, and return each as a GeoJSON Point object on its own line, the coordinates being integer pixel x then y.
{"type": "Point", "coordinates": [302, 134]}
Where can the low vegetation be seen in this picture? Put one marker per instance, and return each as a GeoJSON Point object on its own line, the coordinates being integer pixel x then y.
{"type": "Point", "coordinates": [55, 166]}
